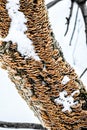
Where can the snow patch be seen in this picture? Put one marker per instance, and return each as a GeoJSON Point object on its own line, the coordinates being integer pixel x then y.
{"type": "Point", "coordinates": [86, 3]}
{"type": "Point", "coordinates": [66, 101]}
{"type": "Point", "coordinates": [17, 30]}
{"type": "Point", "coordinates": [65, 80]}
{"type": "Point", "coordinates": [43, 83]}
{"type": "Point", "coordinates": [1, 39]}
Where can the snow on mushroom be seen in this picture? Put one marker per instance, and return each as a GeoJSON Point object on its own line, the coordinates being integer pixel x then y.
{"type": "Point", "coordinates": [65, 80]}
{"type": "Point", "coordinates": [66, 101]}
{"type": "Point", "coordinates": [17, 30]}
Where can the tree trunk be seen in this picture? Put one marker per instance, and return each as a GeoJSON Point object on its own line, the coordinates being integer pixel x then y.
{"type": "Point", "coordinates": [49, 85]}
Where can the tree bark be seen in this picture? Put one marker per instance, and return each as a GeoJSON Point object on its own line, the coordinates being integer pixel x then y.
{"type": "Point", "coordinates": [18, 125]}
{"type": "Point", "coordinates": [41, 83]}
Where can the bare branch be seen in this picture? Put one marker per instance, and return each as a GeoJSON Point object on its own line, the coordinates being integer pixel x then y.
{"type": "Point", "coordinates": [80, 2]}
{"type": "Point", "coordinates": [83, 73]}
{"type": "Point", "coordinates": [74, 26]}
{"type": "Point", "coordinates": [76, 42]}
{"type": "Point", "coordinates": [21, 125]}
{"type": "Point", "coordinates": [69, 18]}
{"type": "Point", "coordinates": [84, 13]}
{"type": "Point", "coordinates": [52, 3]}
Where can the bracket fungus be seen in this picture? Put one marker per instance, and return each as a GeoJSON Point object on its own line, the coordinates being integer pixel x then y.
{"type": "Point", "coordinates": [40, 81]}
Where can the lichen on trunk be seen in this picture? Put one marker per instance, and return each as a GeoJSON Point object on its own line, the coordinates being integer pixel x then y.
{"type": "Point", "coordinates": [42, 82]}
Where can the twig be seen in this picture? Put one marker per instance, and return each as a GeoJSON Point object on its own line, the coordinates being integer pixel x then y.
{"type": "Point", "coordinates": [83, 8]}
{"type": "Point", "coordinates": [83, 73]}
{"type": "Point", "coordinates": [52, 3]}
{"type": "Point", "coordinates": [74, 26]}
{"type": "Point", "coordinates": [75, 45]}
{"type": "Point", "coordinates": [69, 18]}
{"type": "Point", "coordinates": [21, 125]}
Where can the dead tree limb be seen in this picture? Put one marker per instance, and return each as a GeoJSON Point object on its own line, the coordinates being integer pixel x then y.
{"type": "Point", "coordinates": [84, 13]}
{"type": "Point", "coordinates": [74, 26]}
{"type": "Point", "coordinates": [83, 73]}
{"type": "Point", "coordinates": [52, 3]}
{"type": "Point", "coordinates": [18, 125]}
{"type": "Point", "coordinates": [83, 6]}
{"type": "Point", "coordinates": [69, 18]}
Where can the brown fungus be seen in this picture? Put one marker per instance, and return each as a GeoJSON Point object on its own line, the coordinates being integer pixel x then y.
{"type": "Point", "coordinates": [39, 82]}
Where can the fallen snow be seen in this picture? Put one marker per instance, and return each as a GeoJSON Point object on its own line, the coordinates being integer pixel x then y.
{"type": "Point", "coordinates": [17, 30]}
{"type": "Point", "coordinates": [66, 101]}
{"type": "Point", "coordinates": [65, 80]}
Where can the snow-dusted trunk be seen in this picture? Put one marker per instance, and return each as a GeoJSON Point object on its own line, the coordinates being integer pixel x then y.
{"type": "Point", "coordinates": [35, 63]}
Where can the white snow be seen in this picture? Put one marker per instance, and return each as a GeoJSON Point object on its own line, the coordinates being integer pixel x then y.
{"type": "Point", "coordinates": [17, 30]}
{"type": "Point", "coordinates": [77, 91]}
{"type": "Point", "coordinates": [66, 101]}
{"type": "Point", "coordinates": [86, 3]}
{"type": "Point", "coordinates": [1, 39]}
{"type": "Point", "coordinates": [65, 80]}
